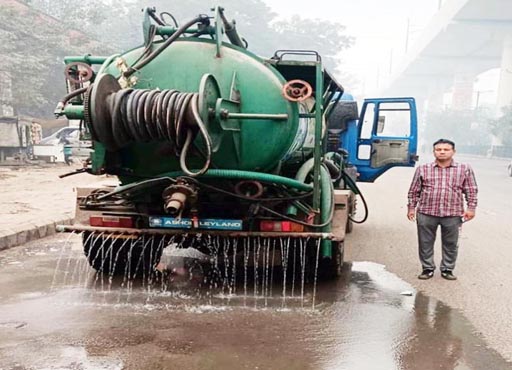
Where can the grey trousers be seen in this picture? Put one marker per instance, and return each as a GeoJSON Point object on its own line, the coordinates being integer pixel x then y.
{"type": "Point", "coordinates": [427, 229]}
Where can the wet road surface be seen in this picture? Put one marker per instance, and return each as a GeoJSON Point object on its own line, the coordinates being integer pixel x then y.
{"type": "Point", "coordinates": [55, 313]}
{"type": "Point", "coordinates": [484, 260]}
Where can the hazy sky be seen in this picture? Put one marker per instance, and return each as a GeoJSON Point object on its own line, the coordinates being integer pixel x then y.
{"type": "Point", "coordinates": [380, 28]}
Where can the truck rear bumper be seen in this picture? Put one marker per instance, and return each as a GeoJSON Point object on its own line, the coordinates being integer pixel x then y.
{"type": "Point", "coordinates": [133, 231]}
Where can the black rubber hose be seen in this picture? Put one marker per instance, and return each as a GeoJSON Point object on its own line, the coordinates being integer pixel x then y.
{"type": "Point", "coordinates": [170, 15]}
{"type": "Point", "coordinates": [140, 115]}
{"type": "Point", "coordinates": [235, 195]}
{"type": "Point", "coordinates": [353, 186]}
{"type": "Point", "coordinates": [72, 94]}
{"type": "Point", "coordinates": [334, 170]}
{"type": "Point", "coordinates": [169, 41]}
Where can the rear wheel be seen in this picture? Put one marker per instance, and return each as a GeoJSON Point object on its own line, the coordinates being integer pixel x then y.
{"type": "Point", "coordinates": [332, 268]}
{"type": "Point", "coordinates": [510, 170]}
{"type": "Point", "coordinates": [119, 254]}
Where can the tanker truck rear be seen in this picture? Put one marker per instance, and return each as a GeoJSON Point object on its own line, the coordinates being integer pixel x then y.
{"type": "Point", "coordinates": [216, 148]}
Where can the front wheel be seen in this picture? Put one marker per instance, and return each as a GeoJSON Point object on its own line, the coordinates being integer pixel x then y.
{"type": "Point", "coordinates": [510, 170]}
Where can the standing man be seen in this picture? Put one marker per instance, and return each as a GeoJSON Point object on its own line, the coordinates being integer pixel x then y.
{"type": "Point", "coordinates": [435, 199]}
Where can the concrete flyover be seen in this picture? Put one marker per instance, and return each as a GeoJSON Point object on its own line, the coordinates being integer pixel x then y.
{"type": "Point", "coordinates": [463, 39]}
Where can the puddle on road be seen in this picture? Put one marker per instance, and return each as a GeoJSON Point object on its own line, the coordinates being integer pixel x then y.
{"type": "Point", "coordinates": [367, 319]}
{"type": "Point", "coordinates": [59, 358]}
{"type": "Point", "coordinates": [375, 324]}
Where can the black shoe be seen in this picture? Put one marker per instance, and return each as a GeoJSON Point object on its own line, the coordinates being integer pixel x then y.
{"type": "Point", "coordinates": [426, 274]}
{"type": "Point", "coordinates": [448, 275]}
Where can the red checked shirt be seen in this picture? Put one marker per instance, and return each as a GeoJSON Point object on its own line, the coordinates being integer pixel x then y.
{"type": "Point", "coordinates": [438, 191]}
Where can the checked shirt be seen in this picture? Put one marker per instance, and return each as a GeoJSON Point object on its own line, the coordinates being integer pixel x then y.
{"type": "Point", "coordinates": [439, 191]}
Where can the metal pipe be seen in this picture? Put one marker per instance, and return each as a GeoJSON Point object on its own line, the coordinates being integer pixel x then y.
{"type": "Point", "coordinates": [230, 29]}
{"type": "Point", "coordinates": [175, 203]}
{"type": "Point", "coordinates": [106, 63]}
{"type": "Point", "coordinates": [74, 111]}
{"type": "Point", "coordinates": [327, 200]}
{"type": "Point", "coordinates": [89, 59]}
{"type": "Point", "coordinates": [170, 30]}
{"type": "Point", "coordinates": [262, 116]}
{"type": "Point", "coordinates": [164, 46]}
{"type": "Point", "coordinates": [62, 105]}
{"type": "Point", "coordinates": [318, 136]}
{"type": "Point", "coordinates": [118, 230]}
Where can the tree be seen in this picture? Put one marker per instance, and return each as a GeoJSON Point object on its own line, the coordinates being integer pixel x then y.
{"type": "Point", "coordinates": [466, 128]}
{"type": "Point", "coordinates": [77, 14]}
{"type": "Point", "coordinates": [502, 126]}
{"type": "Point", "coordinates": [33, 46]}
{"type": "Point", "coordinates": [114, 22]}
{"type": "Point", "coordinates": [265, 33]}
{"type": "Point", "coordinates": [35, 43]}
{"type": "Point", "coordinates": [325, 37]}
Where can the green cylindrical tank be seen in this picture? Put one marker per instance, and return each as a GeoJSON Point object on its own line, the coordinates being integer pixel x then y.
{"type": "Point", "coordinates": [247, 84]}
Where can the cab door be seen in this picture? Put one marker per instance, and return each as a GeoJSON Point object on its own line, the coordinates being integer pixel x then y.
{"type": "Point", "coordinates": [387, 136]}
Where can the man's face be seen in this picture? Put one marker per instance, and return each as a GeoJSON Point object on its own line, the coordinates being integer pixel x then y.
{"type": "Point", "coordinates": [443, 152]}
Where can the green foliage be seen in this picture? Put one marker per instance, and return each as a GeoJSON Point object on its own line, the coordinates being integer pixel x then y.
{"type": "Point", "coordinates": [116, 22]}
{"type": "Point", "coordinates": [264, 32]}
{"type": "Point", "coordinates": [325, 37]}
{"type": "Point", "coordinates": [502, 127]}
{"type": "Point", "coordinates": [33, 46]}
{"type": "Point", "coordinates": [78, 14]}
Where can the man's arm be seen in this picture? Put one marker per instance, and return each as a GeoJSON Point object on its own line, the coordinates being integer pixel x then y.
{"type": "Point", "coordinates": [413, 195]}
{"type": "Point", "coordinates": [470, 191]}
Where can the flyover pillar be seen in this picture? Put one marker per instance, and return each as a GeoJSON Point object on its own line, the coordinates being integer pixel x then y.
{"type": "Point", "coordinates": [430, 102]}
{"type": "Point", "coordinates": [505, 83]}
{"type": "Point", "coordinates": [434, 102]}
{"type": "Point", "coordinates": [462, 96]}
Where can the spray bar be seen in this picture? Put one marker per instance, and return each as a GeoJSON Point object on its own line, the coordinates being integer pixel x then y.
{"type": "Point", "coordinates": [119, 230]}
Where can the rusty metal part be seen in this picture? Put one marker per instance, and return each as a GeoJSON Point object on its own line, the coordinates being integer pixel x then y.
{"type": "Point", "coordinates": [297, 90]}
{"type": "Point", "coordinates": [175, 202]}
{"type": "Point", "coordinates": [117, 230]}
{"type": "Point", "coordinates": [87, 113]}
{"type": "Point", "coordinates": [249, 188]}
{"type": "Point", "coordinates": [102, 96]}
{"type": "Point", "coordinates": [78, 72]}
{"type": "Point", "coordinates": [176, 195]}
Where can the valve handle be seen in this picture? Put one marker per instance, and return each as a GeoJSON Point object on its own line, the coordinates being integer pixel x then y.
{"type": "Point", "coordinates": [78, 72]}
{"type": "Point", "coordinates": [297, 90]}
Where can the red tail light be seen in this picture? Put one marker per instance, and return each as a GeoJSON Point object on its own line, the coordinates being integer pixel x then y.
{"type": "Point", "coordinates": [111, 221]}
{"type": "Point", "coordinates": [284, 226]}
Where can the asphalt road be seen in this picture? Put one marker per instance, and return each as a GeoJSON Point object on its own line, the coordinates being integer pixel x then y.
{"type": "Point", "coordinates": [482, 292]}
{"type": "Point", "coordinates": [56, 313]}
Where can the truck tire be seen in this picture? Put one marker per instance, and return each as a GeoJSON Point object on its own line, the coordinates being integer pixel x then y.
{"type": "Point", "coordinates": [332, 268]}
{"type": "Point", "coordinates": [349, 226]}
{"type": "Point", "coordinates": [123, 254]}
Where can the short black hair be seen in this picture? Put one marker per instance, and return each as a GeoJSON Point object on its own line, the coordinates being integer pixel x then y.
{"type": "Point", "coordinates": [444, 141]}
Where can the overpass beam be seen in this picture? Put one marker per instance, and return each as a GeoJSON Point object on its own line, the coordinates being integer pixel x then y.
{"type": "Point", "coordinates": [505, 83]}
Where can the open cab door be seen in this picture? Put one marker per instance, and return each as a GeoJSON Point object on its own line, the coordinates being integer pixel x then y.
{"type": "Point", "coordinates": [387, 136]}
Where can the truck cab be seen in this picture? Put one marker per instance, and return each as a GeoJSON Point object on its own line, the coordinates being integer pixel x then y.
{"type": "Point", "coordinates": [380, 136]}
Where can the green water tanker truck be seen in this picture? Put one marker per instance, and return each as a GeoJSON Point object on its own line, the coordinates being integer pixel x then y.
{"type": "Point", "coordinates": [216, 147]}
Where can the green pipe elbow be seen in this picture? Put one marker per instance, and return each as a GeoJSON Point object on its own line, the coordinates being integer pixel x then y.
{"type": "Point", "coordinates": [246, 175]}
{"type": "Point", "coordinates": [326, 200]}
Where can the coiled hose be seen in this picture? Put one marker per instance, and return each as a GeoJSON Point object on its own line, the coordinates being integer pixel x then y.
{"type": "Point", "coordinates": [147, 115]}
